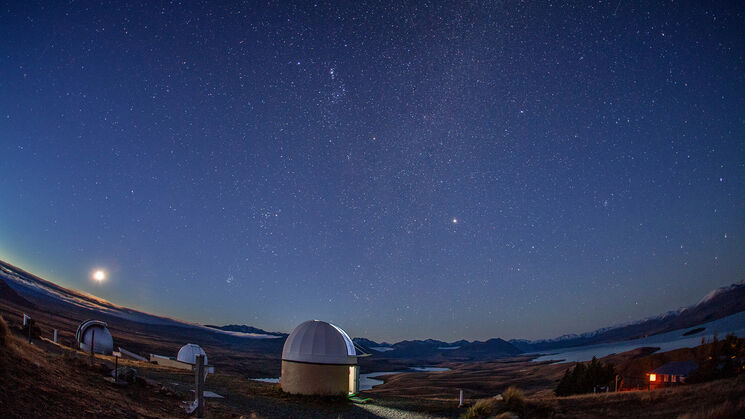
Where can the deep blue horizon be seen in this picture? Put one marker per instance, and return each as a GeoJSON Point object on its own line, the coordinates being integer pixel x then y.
{"type": "Point", "coordinates": [404, 170]}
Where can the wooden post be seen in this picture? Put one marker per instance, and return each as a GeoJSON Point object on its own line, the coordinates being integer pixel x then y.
{"type": "Point", "coordinates": [116, 369]}
{"type": "Point", "coordinates": [199, 384]}
{"type": "Point", "coordinates": [460, 403]}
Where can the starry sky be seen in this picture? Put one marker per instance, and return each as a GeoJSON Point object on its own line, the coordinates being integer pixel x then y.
{"type": "Point", "coordinates": [466, 169]}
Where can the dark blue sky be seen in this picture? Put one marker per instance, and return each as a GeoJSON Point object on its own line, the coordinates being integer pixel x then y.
{"type": "Point", "coordinates": [460, 170]}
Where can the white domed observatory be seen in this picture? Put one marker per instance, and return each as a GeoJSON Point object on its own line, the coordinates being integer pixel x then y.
{"type": "Point", "coordinates": [188, 353]}
{"type": "Point", "coordinates": [96, 332]}
{"type": "Point", "coordinates": [319, 358]}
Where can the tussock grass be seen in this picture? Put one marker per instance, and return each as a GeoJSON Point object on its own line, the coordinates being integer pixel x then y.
{"type": "Point", "coordinates": [514, 398]}
{"type": "Point", "coordinates": [481, 409]}
{"type": "Point", "coordinates": [512, 404]}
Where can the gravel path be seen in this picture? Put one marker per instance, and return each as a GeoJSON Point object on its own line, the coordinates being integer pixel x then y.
{"type": "Point", "coordinates": [391, 413]}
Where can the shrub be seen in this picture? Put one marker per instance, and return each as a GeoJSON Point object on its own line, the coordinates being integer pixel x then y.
{"type": "Point", "coordinates": [719, 359]}
{"type": "Point", "coordinates": [585, 378]}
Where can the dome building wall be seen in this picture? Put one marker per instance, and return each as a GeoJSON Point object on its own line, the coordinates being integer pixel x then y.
{"type": "Point", "coordinates": [319, 379]}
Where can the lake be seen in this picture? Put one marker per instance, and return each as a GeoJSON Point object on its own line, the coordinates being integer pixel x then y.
{"type": "Point", "coordinates": [665, 341]}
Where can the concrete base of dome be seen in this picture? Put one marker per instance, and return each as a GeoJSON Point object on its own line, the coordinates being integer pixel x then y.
{"type": "Point", "coordinates": [317, 379]}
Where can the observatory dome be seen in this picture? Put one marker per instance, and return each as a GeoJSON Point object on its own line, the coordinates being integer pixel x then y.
{"type": "Point", "coordinates": [188, 353]}
{"type": "Point", "coordinates": [318, 342]}
{"type": "Point", "coordinates": [95, 332]}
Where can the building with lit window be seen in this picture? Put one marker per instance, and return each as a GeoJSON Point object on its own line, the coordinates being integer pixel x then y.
{"type": "Point", "coordinates": [672, 373]}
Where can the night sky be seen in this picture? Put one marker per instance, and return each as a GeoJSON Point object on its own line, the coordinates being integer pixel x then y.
{"type": "Point", "coordinates": [421, 170]}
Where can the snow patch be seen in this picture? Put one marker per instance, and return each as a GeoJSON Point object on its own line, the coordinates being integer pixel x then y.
{"type": "Point", "coordinates": [721, 290]}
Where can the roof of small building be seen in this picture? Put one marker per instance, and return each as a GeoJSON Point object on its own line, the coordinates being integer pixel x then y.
{"type": "Point", "coordinates": [677, 368]}
{"type": "Point", "coordinates": [319, 342]}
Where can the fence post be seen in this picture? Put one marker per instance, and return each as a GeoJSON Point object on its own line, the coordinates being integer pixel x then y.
{"type": "Point", "coordinates": [199, 384]}
{"type": "Point", "coordinates": [93, 342]}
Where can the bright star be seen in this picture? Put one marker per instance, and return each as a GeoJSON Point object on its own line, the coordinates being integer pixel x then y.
{"type": "Point", "coordinates": [455, 221]}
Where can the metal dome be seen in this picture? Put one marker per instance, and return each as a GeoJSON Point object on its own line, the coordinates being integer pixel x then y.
{"type": "Point", "coordinates": [319, 342]}
{"type": "Point", "coordinates": [188, 353]}
{"type": "Point", "coordinates": [97, 332]}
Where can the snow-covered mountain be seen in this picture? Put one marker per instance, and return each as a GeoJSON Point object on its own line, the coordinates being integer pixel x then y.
{"type": "Point", "coordinates": [721, 291]}
{"type": "Point", "coordinates": [718, 303]}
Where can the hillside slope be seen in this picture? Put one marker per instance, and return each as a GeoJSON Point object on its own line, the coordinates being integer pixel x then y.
{"type": "Point", "coordinates": [58, 386]}
{"type": "Point", "coordinates": [8, 294]}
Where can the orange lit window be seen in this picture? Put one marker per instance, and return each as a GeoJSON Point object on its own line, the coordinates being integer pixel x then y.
{"type": "Point", "coordinates": [652, 377]}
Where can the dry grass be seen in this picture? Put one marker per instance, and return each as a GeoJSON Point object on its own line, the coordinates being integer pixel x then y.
{"type": "Point", "coordinates": [696, 400]}
{"type": "Point", "coordinates": [716, 399]}
{"type": "Point", "coordinates": [53, 385]}
{"type": "Point", "coordinates": [726, 411]}
{"type": "Point", "coordinates": [12, 346]}
{"type": "Point", "coordinates": [4, 332]}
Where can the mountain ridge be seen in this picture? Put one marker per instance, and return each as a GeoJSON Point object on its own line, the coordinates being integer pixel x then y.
{"type": "Point", "coordinates": [718, 303]}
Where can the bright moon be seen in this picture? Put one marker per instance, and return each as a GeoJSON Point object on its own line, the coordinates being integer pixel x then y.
{"type": "Point", "coordinates": [99, 275]}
